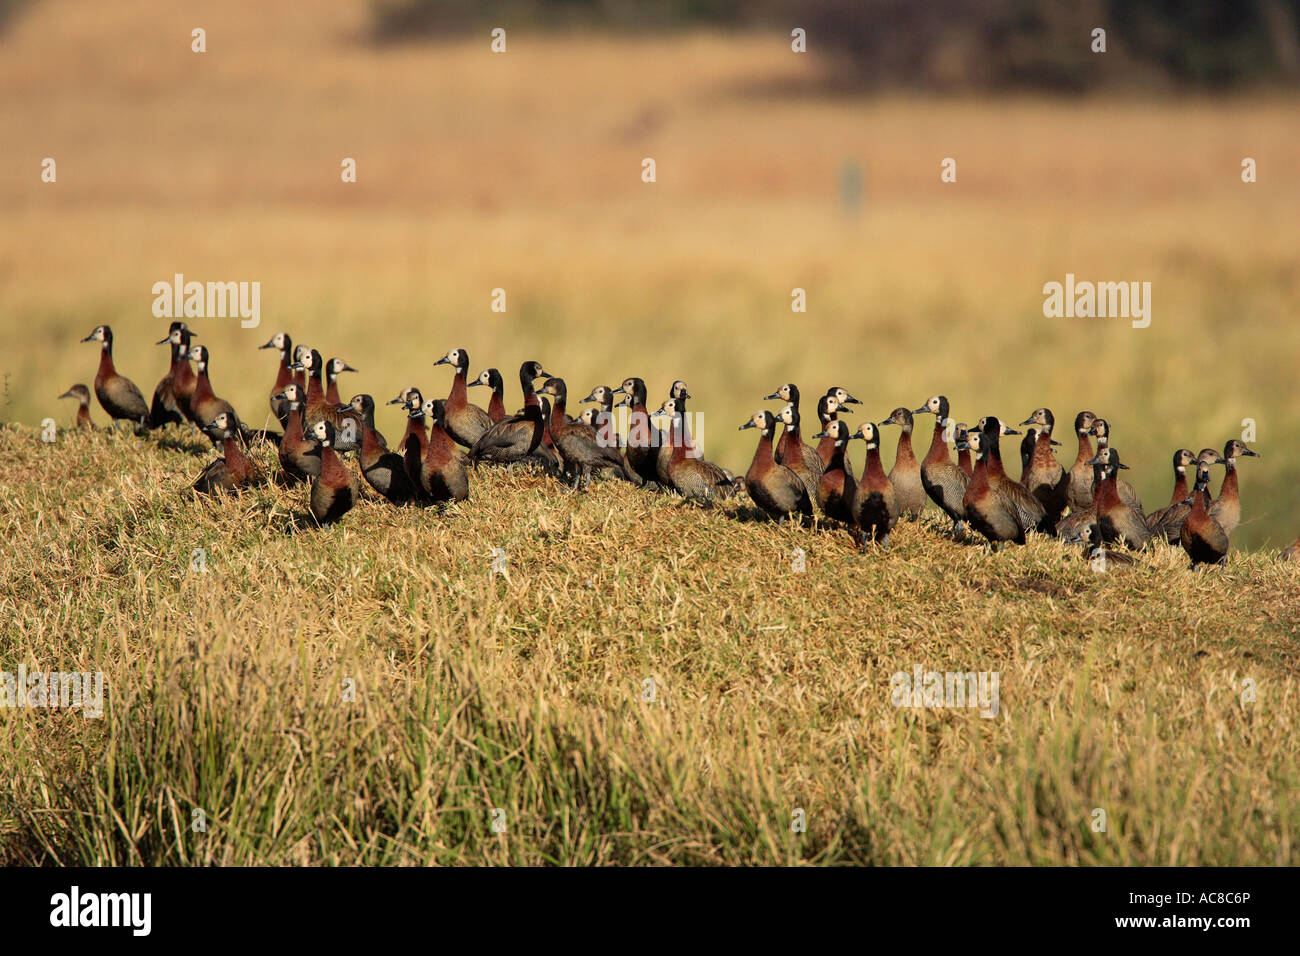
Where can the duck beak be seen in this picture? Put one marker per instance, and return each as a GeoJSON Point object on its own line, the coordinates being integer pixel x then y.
{"type": "Point", "coordinates": [169, 338]}
{"type": "Point", "coordinates": [920, 411]}
{"type": "Point", "coordinates": [89, 338]}
{"type": "Point", "coordinates": [268, 345]}
{"type": "Point", "coordinates": [1027, 421]}
{"type": "Point", "coordinates": [685, 394]}
{"type": "Point", "coordinates": [768, 398]}
{"type": "Point", "coordinates": [397, 401]}
{"type": "Point", "coordinates": [473, 383]}
{"type": "Point", "coordinates": [845, 411]}
{"type": "Point", "coordinates": [888, 421]}
{"type": "Point", "coordinates": [442, 361]}
{"type": "Point", "coordinates": [1122, 465]}
{"type": "Point", "coordinates": [822, 434]}
{"type": "Point", "coordinates": [748, 424]}
{"type": "Point", "coordinates": [297, 367]}
{"type": "Point", "coordinates": [625, 400]}
{"type": "Point", "coordinates": [1074, 539]}
{"type": "Point", "coordinates": [68, 394]}
{"type": "Point", "coordinates": [1093, 461]}
{"type": "Point", "coordinates": [346, 368]}
{"type": "Point", "coordinates": [279, 396]}
{"type": "Point", "coordinates": [543, 375]}
{"type": "Point", "coordinates": [850, 400]}
{"type": "Point", "coordinates": [962, 445]}
{"type": "Point", "coordinates": [1252, 454]}
{"type": "Point", "coordinates": [591, 397]}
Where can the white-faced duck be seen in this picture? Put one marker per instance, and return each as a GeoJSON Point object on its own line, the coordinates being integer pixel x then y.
{"type": "Point", "coordinates": [82, 394]}
{"type": "Point", "coordinates": [943, 481]}
{"type": "Point", "coordinates": [997, 507]}
{"type": "Point", "coordinates": [790, 446]}
{"type": "Point", "coordinates": [1118, 520]}
{"type": "Point", "coordinates": [1044, 477]}
{"type": "Point", "coordinates": [644, 438]}
{"type": "Point", "coordinates": [233, 471]}
{"type": "Point", "coordinates": [336, 489]}
{"type": "Point", "coordinates": [1166, 523]}
{"type": "Point", "coordinates": [1226, 509]}
{"type": "Point", "coordinates": [173, 397]}
{"type": "Point", "coordinates": [207, 406]}
{"type": "Point", "coordinates": [496, 404]}
{"type": "Point", "coordinates": [517, 437]}
{"type": "Point", "coordinates": [1079, 494]}
{"type": "Point", "coordinates": [346, 420]}
{"type": "Point", "coordinates": [283, 376]}
{"type": "Point", "coordinates": [773, 487]}
{"type": "Point", "coordinates": [842, 396]}
{"type": "Point", "coordinates": [117, 394]}
{"type": "Point", "coordinates": [298, 459]}
{"type": "Point", "coordinates": [801, 458]}
{"type": "Point", "coordinates": [829, 410]}
{"type": "Point", "coordinates": [578, 446]}
{"type": "Point", "coordinates": [333, 369]}
{"type": "Point", "coordinates": [384, 470]}
{"type": "Point", "coordinates": [442, 473]}
{"type": "Point", "coordinates": [906, 473]}
{"type": "Point", "coordinates": [837, 485]}
{"type": "Point", "coordinates": [1101, 431]}
{"type": "Point", "coordinates": [679, 396]}
{"type": "Point", "coordinates": [959, 433]}
{"type": "Point", "coordinates": [1095, 551]}
{"type": "Point", "coordinates": [1201, 536]}
{"type": "Point", "coordinates": [415, 440]}
{"type": "Point", "coordinates": [692, 477]}
{"type": "Point", "coordinates": [466, 423]}
{"type": "Point", "coordinates": [875, 501]}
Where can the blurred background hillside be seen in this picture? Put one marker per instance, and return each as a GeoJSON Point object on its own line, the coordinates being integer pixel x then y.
{"type": "Point", "coordinates": [775, 170]}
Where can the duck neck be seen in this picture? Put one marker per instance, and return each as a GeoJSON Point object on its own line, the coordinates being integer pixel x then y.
{"type": "Point", "coordinates": [938, 452]}
{"type": "Point", "coordinates": [558, 410]}
{"type": "Point", "coordinates": [1180, 487]}
{"type": "Point", "coordinates": [1042, 449]}
{"type": "Point", "coordinates": [331, 468]}
{"type": "Point", "coordinates": [315, 390]}
{"type": "Point", "coordinates": [496, 406]}
{"type": "Point", "coordinates": [994, 463]}
{"type": "Point", "coordinates": [874, 471]}
{"type": "Point", "coordinates": [293, 428]}
{"type": "Point", "coordinates": [231, 450]}
{"type": "Point", "coordinates": [979, 479]}
{"type": "Point", "coordinates": [1086, 453]}
{"type": "Point", "coordinates": [332, 392]}
{"type": "Point", "coordinates": [905, 454]}
{"type": "Point", "coordinates": [762, 454]}
{"type": "Point", "coordinates": [836, 462]}
{"type": "Point", "coordinates": [1228, 491]}
{"type": "Point", "coordinates": [458, 398]}
{"type": "Point", "coordinates": [283, 377]}
{"type": "Point", "coordinates": [964, 462]}
{"type": "Point", "coordinates": [106, 369]}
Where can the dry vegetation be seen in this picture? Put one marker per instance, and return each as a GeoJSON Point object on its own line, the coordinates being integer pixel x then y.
{"type": "Point", "coordinates": [1119, 691]}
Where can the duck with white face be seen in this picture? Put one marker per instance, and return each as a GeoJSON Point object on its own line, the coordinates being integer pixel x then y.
{"type": "Point", "coordinates": [172, 396]}
{"type": "Point", "coordinates": [772, 486]}
{"type": "Point", "coordinates": [1095, 552]}
{"type": "Point", "coordinates": [943, 481]}
{"type": "Point", "coordinates": [1042, 474]}
{"type": "Point", "coordinates": [1166, 523]}
{"type": "Point", "coordinates": [443, 478]}
{"type": "Point", "coordinates": [1117, 520]}
{"type": "Point", "coordinates": [233, 471]}
{"type": "Point", "coordinates": [298, 462]}
{"type": "Point", "coordinates": [1203, 538]}
{"type": "Point", "coordinates": [837, 485]}
{"type": "Point", "coordinates": [283, 344]}
{"type": "Point", "coordinates": [336, 489]}
{"type": "Point", "coordinates": [799, 456]}
{"type": "Point", "coordinates": [117, 394]}
{"type": "Point", "coordinates": [842, 396]}
{"type": "Point", "coordinates": [691, 477]}
{"type": "Point", "coordinates": [466, 422]}
{"type": "Point", "coordinates": [491, 378]}
{"type": "Point", "coordinates": [875, 502]}
{"type": "Point", "coordinates": [1226, 509]}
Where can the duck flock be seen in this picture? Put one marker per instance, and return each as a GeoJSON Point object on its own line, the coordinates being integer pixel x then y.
{"type": "Point", "coordinates": [446, 439]}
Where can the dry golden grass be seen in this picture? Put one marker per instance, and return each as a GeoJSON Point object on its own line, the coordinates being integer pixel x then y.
{"type": "Point", "coordinates": [1120, 691]}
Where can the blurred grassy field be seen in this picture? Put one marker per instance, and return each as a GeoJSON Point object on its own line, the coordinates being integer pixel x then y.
{"type": "Point", "coordinates": [522, 171]}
